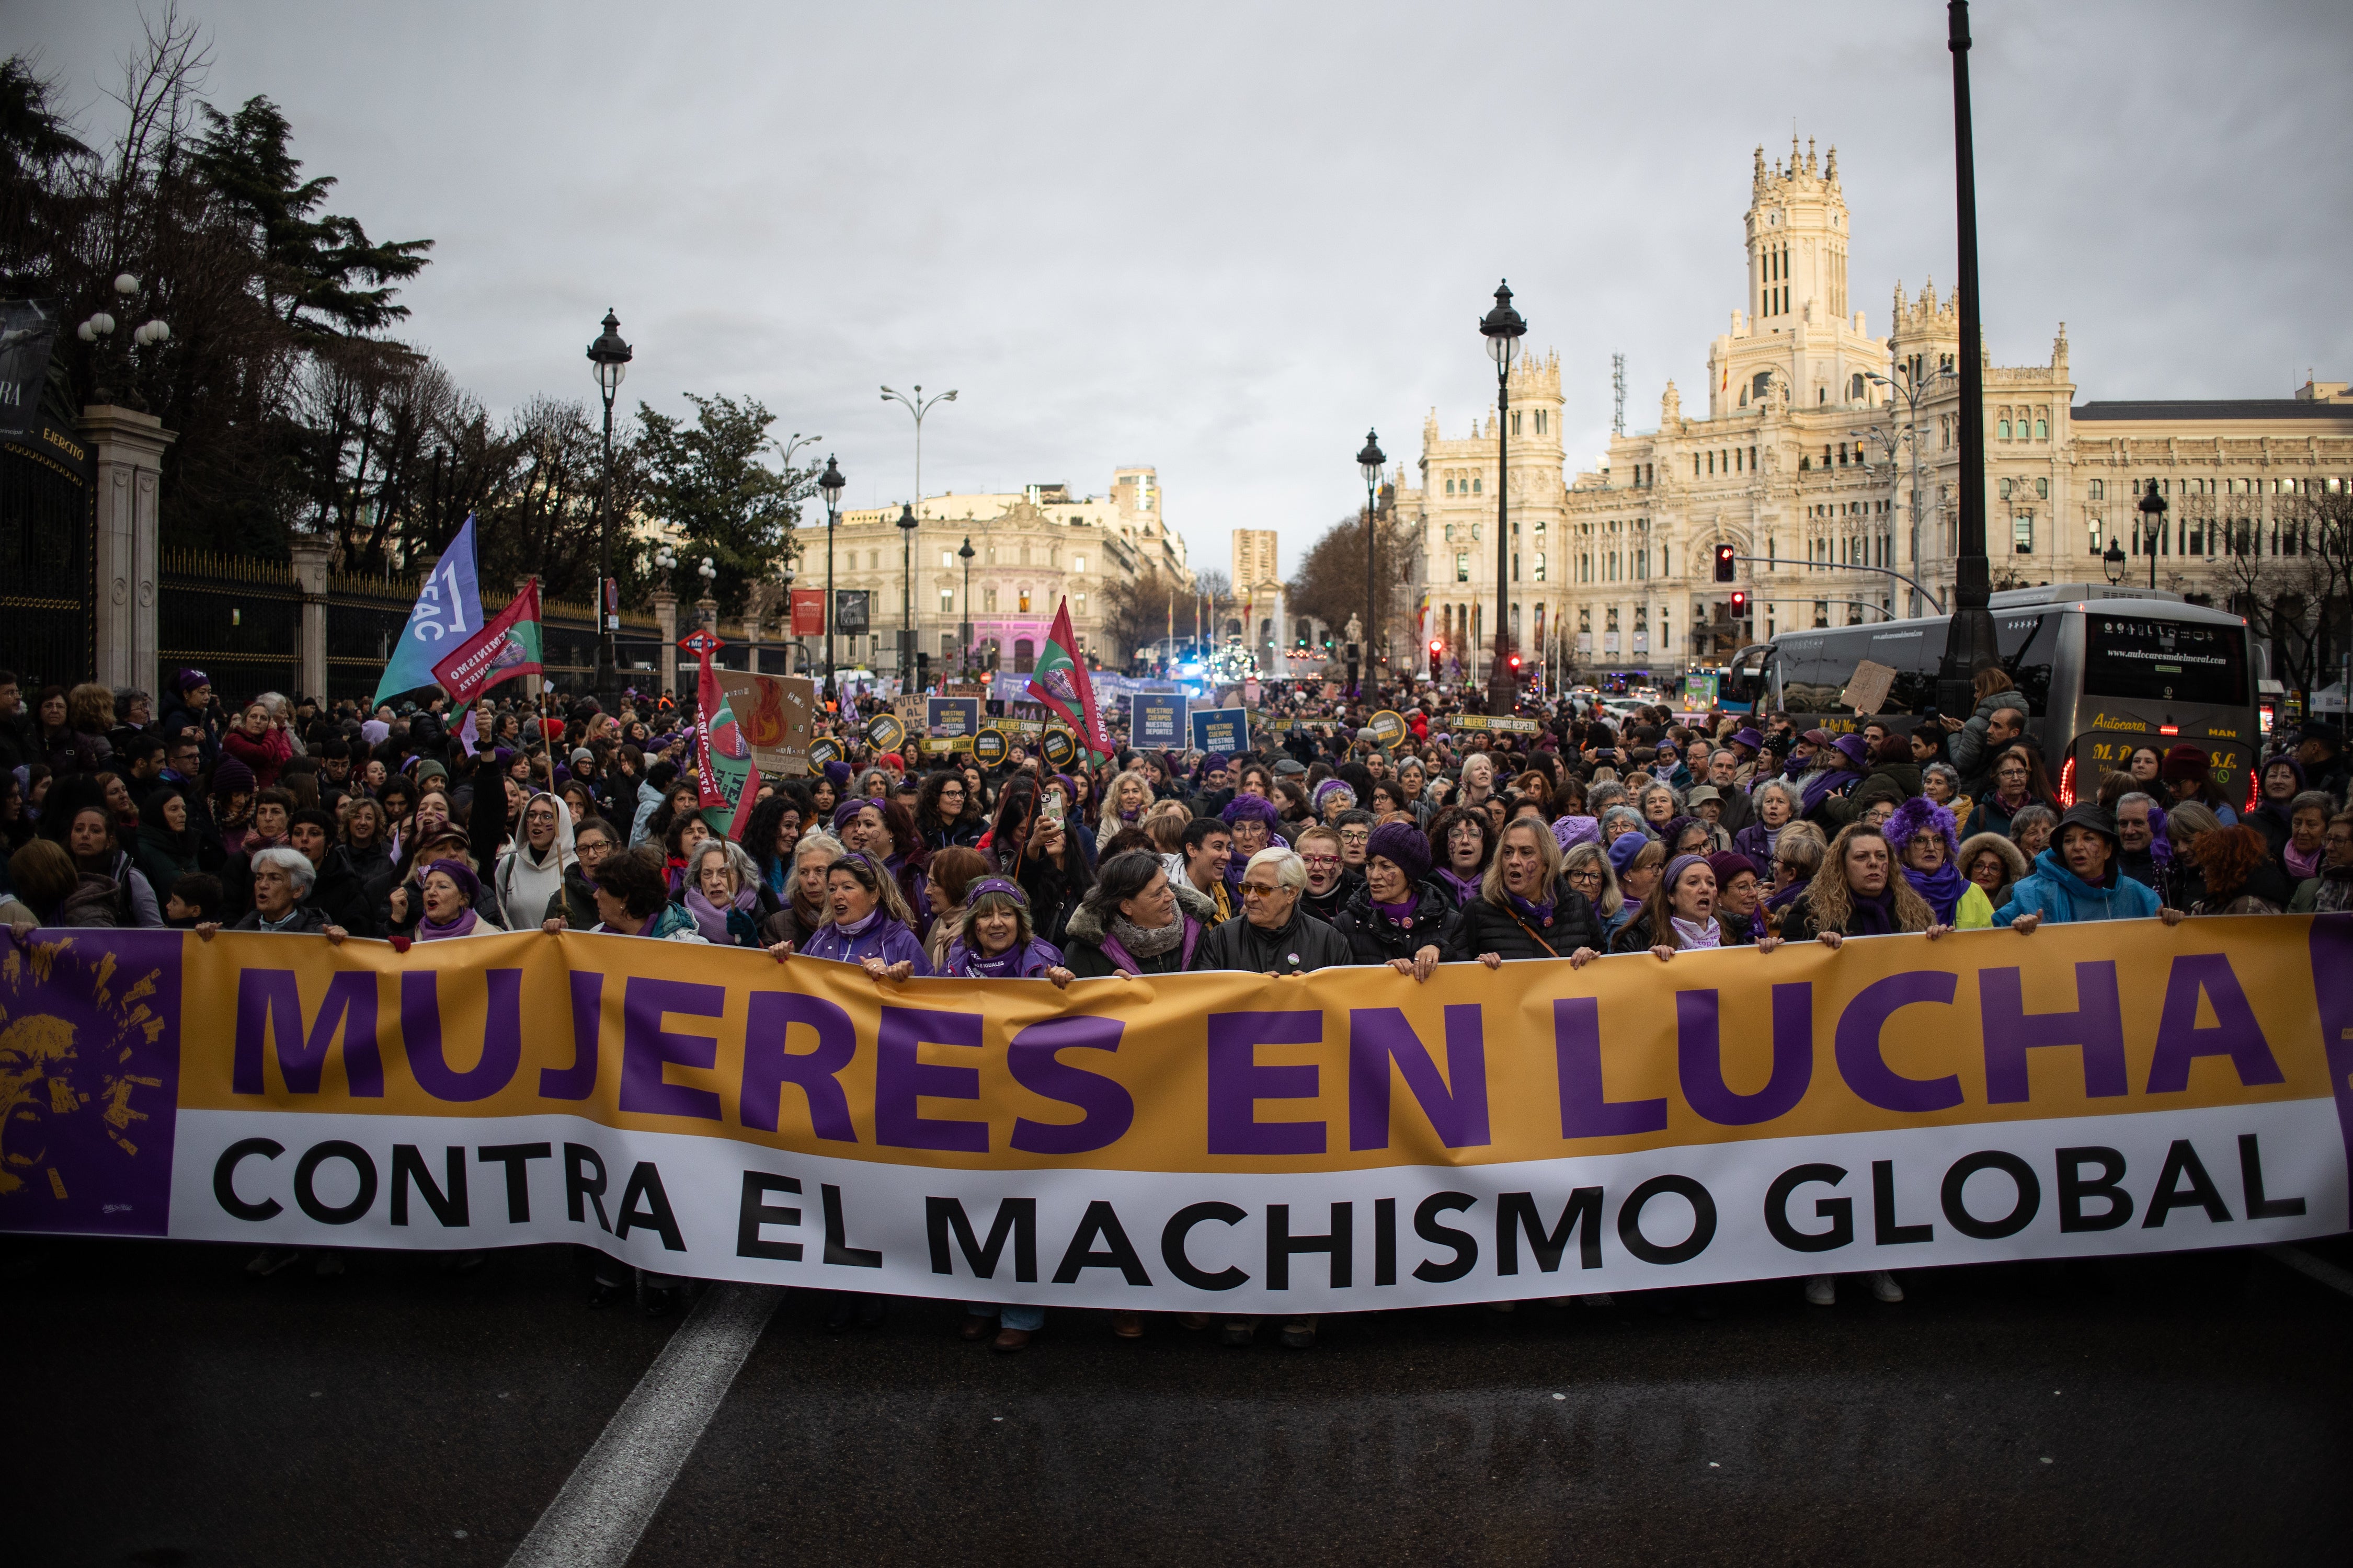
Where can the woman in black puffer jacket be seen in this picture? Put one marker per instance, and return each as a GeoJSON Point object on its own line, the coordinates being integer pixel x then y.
{"type": "Point", "coordinates": [1395, 919]}
{"type": "Point", "coordinates": [1507, 920]}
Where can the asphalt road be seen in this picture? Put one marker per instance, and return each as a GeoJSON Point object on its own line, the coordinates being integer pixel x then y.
{"type": "Point", "coordinates": [2191, 1409]}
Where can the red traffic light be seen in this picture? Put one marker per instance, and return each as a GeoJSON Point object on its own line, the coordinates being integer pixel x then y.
{"type": "Point", "coordinates": [1740, 604]}
{"type": "Point", "coordinates": [1437, 646]}
{"type": "Point", "coordinates": [1515, 661]}
{"type": "Point", "coordinates": [1725, 562]}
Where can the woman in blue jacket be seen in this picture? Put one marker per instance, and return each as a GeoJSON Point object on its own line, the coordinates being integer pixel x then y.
{"type": "Point", "coordinates": [2077, 880]}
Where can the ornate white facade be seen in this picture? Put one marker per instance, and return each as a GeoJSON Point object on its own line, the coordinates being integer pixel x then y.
{"type": "Point", "coordinates": [1031, 548]}
{"type": "Point", "coordinates": [1804, 461]}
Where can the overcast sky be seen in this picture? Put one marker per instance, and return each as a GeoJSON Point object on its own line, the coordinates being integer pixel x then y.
{"type": "Point", "coordinates": [1225, 240]}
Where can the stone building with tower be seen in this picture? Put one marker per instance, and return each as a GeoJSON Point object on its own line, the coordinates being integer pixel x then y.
{"type": "Point", "coordinates": [1800, 456]}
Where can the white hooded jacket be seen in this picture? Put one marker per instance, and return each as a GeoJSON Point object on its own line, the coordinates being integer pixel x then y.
{"type": "Point", "coordinates": [525, 880]}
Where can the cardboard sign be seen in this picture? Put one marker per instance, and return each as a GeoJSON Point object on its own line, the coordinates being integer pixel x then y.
{"type": "Point", "coordinates": [1221, 730]}
{"type": "Point", "coordinates": [1867, 689]}
{"type": "Point", "coordinates": [989, 747]}
{"type": "Point", "coordinates": [777, 716]}
{"type": "Point", "coordinates": [1155, 720]}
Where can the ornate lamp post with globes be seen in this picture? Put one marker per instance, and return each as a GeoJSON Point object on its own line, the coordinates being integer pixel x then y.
{"type": "Point", "coordinates": [1502, 327]}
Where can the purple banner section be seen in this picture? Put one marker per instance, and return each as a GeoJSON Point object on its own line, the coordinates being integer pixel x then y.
{"type": "Point", "coordinates": [90, 1080]}
{"type": "Point", "coordinates": [2332, 981]}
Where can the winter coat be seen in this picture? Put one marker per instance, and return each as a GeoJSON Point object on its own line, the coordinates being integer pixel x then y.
{"type": "Point", "coordinates": [1756, 842]}
{"type": "Point", "coordinates": [1898, 781]}
{"type": "Point", "coordinates": [1990, 816]}
{"type": "Point", "coordinates": [308, 919]}
{"type": "Point", "coordinates": [1481, 927]}
{"type": "Point", "coordinates": [1084, 953]}
{"type": "Point", "coordinates": [649, 801]}
{"type": "Point", "coordinates": [339, 893]}
{"type": "Point", "coordinates": [1374, 938]}
{"type": "Point", "coordinates": [576, 905]}
{"type": "Point", "coordinates": [1966, 745]}
{"type": "Point", "coordinates": [1299, 947]}
{"type": "Point", "coordinates": [886, 939]}
{"type": "Point", "coordinates": [1344, 892]}
{"type": "Point", "coordinates": [2012, 858]}
{"type": "Point", "coordinates": [2062, 897]}
{"type": "Point", "coordinates": [267, 757]}
{"type": "Point", "coordinates": [669, 924]}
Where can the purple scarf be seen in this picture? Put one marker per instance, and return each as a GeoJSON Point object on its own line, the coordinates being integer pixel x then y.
{"type": "Point", "coordinates": [462, 926]}
{"type": "Point", "coordinates": [1871, 916]}
{"type": "Point", "coordinates": [710, 919]}
{"type": "Point", "coordinates": [1464, 890]}
{"type": "Point", "coordinates": [1942, 887]}
{"type": "Point", "coordinates": [1533, 913]}
{"type": "Point", "coordinates": [1827, 781]}
{"type": "Point", "coordinates": [1400, 913]}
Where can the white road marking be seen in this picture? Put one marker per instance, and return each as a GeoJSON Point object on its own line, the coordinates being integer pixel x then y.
{"type": "Point", "coordinates": [613, 1491]}
{"type": "Point", "coordinates": [2305, 1263]}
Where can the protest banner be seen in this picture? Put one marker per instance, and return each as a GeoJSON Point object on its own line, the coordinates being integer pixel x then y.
{"type": "Point", "coordinates": [1222, 730]}
{"type": "Point", "coordinates": [951, 718]}
{"type": "Point", "coordinates": [989, 747]}
{"type": "Point", "coordinates": [884, 733]}
{"type": "Point", "coordinates": [1155, 720]}
{"type": "Point", "coordinates": [1217, 1141]}
{"type": "Point", "coordinates": [1389, 727]}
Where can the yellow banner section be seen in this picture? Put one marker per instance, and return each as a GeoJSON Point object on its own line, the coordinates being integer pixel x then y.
{"type": "Point", "coordinates": [1345, 1070]}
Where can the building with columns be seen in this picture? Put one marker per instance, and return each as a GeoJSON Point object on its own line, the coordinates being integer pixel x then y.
{"type": "Point", "coordinates": [1804, 460]}
{"type": "Point", "coordinates": [1031, 547]}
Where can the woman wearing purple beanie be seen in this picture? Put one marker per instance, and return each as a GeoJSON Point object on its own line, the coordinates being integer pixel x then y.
{"type": "Point", "coordinates": [1396, 917]}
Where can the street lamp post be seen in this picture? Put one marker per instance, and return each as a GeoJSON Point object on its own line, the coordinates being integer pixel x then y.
{"type": "Point", "coordinates": [1369, 463]}
{"type": "Point", "coordinates": [2112, 562]}
{"type": "Point", "coordinates": [1502, 327]}
{"type": "Point", "coordinates": [917, 406]}
{"type": "Point", "coordinates": [906, 597]}
{"type": "Point", "coordinates": [964, 630]}
{"type": "Point", "coordinates": [111, 360]}
{"type": "Point", "coordinates": [830, 482]}
{"type": "Point", "coordinates": [2152, 527]}
{"type": "Point", "coordinates": [1914, 391]}
{"type": "Point", "coordinates": [1969, 643]}
{"type": "Point", "coordinates": [611, 357]}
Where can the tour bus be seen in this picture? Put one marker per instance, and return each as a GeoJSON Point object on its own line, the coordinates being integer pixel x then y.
{"type": "Point", "coordinates": [2104, 671]}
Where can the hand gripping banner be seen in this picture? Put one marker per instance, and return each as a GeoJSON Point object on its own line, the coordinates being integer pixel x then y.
{"type": "Point", "coordinates": [1344, 1141]}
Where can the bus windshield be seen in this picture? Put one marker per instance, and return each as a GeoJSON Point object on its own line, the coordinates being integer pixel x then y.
{"type": "Point", "coordinates": [2132, 658]}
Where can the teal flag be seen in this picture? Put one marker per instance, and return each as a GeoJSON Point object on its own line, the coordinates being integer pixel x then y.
{"type": "Point", "coordinates": [449, 611]}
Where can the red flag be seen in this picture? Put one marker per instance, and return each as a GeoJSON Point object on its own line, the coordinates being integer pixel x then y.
{"type": "Point", "coordinates": [1060, 682]}
{"type": "Point", "coordinates": [502, 650]}
{"type": "Point", "coordinates": [702, 644]}
{"type": "Point", "coordinates": [743, 804]}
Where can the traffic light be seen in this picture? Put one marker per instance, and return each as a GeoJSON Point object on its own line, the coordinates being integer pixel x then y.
{"type": "Point", "coordinates": [1437, 646]}
{"type": "Point", "coordinates": [1723, 563]}
{"type": "Point", "coordinates": [1514, 662]}
{"type": "Point", "coordinates": [1740, 604]}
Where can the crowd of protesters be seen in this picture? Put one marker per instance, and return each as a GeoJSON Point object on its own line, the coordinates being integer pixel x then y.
{"type": "Point", "coordinates": [1576, 832]}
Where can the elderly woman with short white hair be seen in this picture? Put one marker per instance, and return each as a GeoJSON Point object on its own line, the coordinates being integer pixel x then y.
{"type": "Point", "coordinates": [1274, 935]}
{"type": "Point", "coordinates": [282, 879]}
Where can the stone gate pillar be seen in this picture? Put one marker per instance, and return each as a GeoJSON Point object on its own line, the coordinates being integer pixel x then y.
{"type": "Point", "coordinates": [310, 555]}
{"type": "Point", "coordinates": [127, 455]}
{"type": "Point", "coordinates": [666, 618]}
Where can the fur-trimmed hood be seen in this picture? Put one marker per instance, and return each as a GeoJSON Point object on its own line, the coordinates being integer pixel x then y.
{"type": "Point", "coordinates": [2011, 855]}
{"type": "Point", "coordinates": [1084, 926]}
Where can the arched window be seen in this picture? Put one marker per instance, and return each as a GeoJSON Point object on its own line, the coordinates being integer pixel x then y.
{"type": "Point", "coordinates": [1540, 566]}
{"type": "Point", "coordinates": [1025, 653]}
{"type": "Point", "coordinates": [2099, 489]}
{"type": "Point", "coordinates": [2042, 489]}
{"type": "Point", "coordinates": [1477, 484]}
{"type": "Point", "coordinates": [2005, 489]}
{"type": "Point", "coordinates": [2042, 430]}
{"type": "Point", "coordinates": [1855, 387]}
{"type": "Point", "coordinates": [1450, 484]}
{"type": "Point", "coordinates": [2001, 433]}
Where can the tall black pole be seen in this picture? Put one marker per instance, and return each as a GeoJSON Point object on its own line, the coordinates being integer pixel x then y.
{"type": "Point", "coordinates": [1969, 639]}
{"type": "Point", "coordinates": [607, 652]}
{"type": "Point", "coordinates": [1502, 693]}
